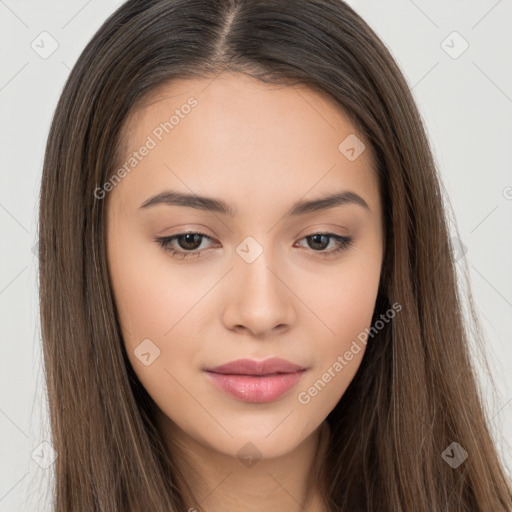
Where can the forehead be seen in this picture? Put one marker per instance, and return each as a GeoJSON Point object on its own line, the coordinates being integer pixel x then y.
{"type": "Point", "coordinates": [232, 135]}
{"type": "Point", "coordinates": [251, 107]}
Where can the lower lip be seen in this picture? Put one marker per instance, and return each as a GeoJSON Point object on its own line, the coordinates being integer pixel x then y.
{"type": "Point", "coordinates": [255, 389]}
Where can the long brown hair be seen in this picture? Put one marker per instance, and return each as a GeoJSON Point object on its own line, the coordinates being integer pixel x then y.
{"type": "Point", "coordinates": [415, 392]}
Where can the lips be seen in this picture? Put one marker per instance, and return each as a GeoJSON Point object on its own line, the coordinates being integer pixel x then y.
{"type": "Point", "coordinates": [271, 366]}
{"type": "Point", "coordinates": [255, 381]}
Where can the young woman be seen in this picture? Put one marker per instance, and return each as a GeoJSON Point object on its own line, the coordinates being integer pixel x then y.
{"type": "Point", "coordinates": [248, 296]}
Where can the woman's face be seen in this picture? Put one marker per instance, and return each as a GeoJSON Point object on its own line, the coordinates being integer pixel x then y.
{"type": "Point", "coordinates": [260, 281]}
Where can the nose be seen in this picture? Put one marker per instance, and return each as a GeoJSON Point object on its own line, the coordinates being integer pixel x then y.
{"type": "Point", "coordinates": [259, 297]}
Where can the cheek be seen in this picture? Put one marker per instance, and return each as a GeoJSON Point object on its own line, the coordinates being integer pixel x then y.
{"type": "Point", "coordinates": [345, 309]}
{"type": "Point", "coordinates": [152, 295]}
{"type": "Point", "coordinates": [156, 304]}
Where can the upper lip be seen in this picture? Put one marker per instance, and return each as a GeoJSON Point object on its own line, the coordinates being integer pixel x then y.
{"type": "Point", "coordinates": [252, 367]}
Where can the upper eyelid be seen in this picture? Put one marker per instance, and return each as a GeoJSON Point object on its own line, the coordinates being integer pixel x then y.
{"type": "Point", "coordinates": [318, 232]}
{"type": "Point", "coordinates": [172, 238]}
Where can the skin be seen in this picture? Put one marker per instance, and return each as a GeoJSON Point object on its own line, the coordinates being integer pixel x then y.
{"type": "Point", "coordinates": [259, 148]}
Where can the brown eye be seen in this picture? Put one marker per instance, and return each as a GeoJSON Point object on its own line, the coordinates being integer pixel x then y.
{"type": "Point", "coordinates": [320, 241]}
{"type": "Point", "coordinates": [188, 243]}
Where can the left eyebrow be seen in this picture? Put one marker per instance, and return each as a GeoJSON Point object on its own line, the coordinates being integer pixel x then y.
{"type": "Point", "coordinates": [210, 204]}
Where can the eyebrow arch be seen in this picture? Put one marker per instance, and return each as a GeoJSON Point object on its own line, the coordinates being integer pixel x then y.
{"type": "Point", "coordinates": [171, 197]}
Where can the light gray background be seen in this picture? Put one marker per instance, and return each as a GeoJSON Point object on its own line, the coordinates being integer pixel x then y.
{"type": "Point", "coordinates": [466, 103]}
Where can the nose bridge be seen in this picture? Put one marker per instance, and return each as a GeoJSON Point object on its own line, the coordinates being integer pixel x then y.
{"type": "Point", "coordinates": [256, 259]}
{"type": "Point", "coordinates": [260, 299]}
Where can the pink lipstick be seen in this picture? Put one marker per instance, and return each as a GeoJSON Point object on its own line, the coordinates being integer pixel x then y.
{"type": "Point", "coordinates": [256, 381]}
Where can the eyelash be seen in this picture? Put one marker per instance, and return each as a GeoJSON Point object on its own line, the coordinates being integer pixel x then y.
{"type": "Point", "coordinates": [344, 243]}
